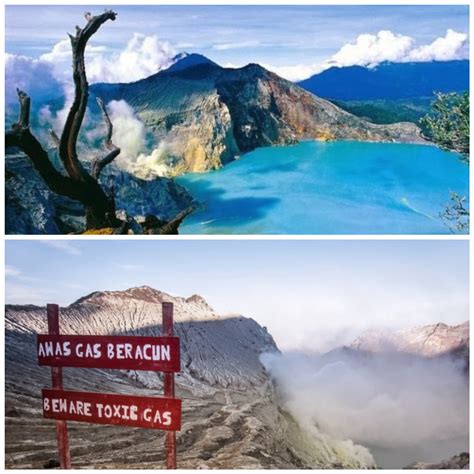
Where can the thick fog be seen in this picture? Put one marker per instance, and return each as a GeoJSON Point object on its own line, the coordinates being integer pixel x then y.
{"type": "Point", "coordinates": [403, 408]}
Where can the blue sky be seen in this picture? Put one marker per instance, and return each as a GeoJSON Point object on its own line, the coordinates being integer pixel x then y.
{"type": "Point", "coordinates": [310, 294]}
{"type": "Point", "coordinates": [275, 36]}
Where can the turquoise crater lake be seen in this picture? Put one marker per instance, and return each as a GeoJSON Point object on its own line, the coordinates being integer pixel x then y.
{"type": "Point", "coordinates": [340, 187]}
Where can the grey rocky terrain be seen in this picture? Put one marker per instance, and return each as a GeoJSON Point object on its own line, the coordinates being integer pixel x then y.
{"type": "Point", "coordinates": [32, 208]}
{"type": "Point", "coordinates": [460, 461]}
{"type": "Point", "coordinates": [428, 341]}
{"type": "Point", "coordinates": [234, 415]}
{"type": "Point", "coordinates": [231, 418]}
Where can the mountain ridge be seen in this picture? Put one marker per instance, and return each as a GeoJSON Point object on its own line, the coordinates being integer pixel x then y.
{"type": "Point", "coordinates": [428, 341]}
{"type": "Point", "coordinates": [207, 115]}
{"type": "Point", "coordinates": [231, 416]}
{"type": "Point", "coordinates": [390, 80]}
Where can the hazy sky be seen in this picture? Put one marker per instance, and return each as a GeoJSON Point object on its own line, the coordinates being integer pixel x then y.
{"type": "Point", "coordinates": [310, 294]}
{"type": "Point", "coordinates": [279, 37]}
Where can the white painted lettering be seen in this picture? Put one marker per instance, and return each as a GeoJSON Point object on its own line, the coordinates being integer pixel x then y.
{"type": "Point", "coordinates": [165, 352]}
{"type": "Point", "coordinates": [79, 350]}
{"type": "Point", "coordinates": [167, 418]}
{"type": "Point", "coordinates": [110, 351]}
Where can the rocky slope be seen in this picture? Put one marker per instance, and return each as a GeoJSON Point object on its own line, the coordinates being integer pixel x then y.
{"type": "Point", "coordinates": [231, 418]}
{"type": "Point", "coordinates": [427, 341]}
{"type": "Point", "coordinates": [460, 461]}
{"type": "Point", "coordinates": [32, 208]}
{"type": "Point", "coordinates": [207, 115]}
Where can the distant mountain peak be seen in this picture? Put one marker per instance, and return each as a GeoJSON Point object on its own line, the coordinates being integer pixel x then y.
{"type": "Point", "coordinates": [428, 341]}
{"type": "Point", "coordinates": [196, 299]}
{"type": "Point", "coordinates": [187, 60]}
{"type": "Point", "coordinates": [144, 293]}
{"type": "Point", "coordinates": [389, 80]}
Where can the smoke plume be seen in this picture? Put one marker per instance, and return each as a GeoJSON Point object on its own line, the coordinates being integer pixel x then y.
{"type": "Point", "coordinates": [403, 408]}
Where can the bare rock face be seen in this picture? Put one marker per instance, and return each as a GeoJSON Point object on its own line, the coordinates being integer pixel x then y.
{"type": "Point", "coordinates": [460, 461]}
{"type": "Point", "coordinates": [32, 208]}
{"type": "Point", "coordinates": [231, 418]}
{"type": "Point", "coordinates": [427, 341]}
{"type": "Point", "coordinates": [205, 115]}
{"type": "Point", "coordinates": [216, 351]}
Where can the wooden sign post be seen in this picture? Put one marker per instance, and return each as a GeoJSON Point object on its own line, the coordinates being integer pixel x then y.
{"type": "Point", "coordinates": [169, 387]}
{"type": "Point", "coordinates": [57, 383]}
{"type": "Point", "coordinates": [111, 352]}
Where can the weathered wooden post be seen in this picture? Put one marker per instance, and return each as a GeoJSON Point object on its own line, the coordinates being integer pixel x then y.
{"type": "Point", "coordinates": [168, 382]}
{"type": "Point", "coordinates": [57, 382]}
{"type": "Point", "coordinates": [111, 352]}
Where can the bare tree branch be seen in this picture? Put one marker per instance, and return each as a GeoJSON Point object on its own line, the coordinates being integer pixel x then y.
{"type": "Point", "coordinates": [24, 117]}
{"type": "Point", "coordinates": [68, 143]}
{"type": "Point", "coordinates": [171, 227]}
{"type": "Point", "coordinates": [78, 184]}
{"type": "Point", "coordinates": [21, 137]}
{"type": "Point", "coordinates": [98, 164]}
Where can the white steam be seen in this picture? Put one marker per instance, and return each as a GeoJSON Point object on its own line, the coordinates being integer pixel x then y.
{"type": "Point", "coordinates": [130, 135]}
{"type": "Point", "coordinates": [405, 406]}
{"type": "Point", "coordinates": [128, 132]}
{"type": "Point", "coordinates": [154, 164]}
{"type": "Point", "coordinates": [56, 120]}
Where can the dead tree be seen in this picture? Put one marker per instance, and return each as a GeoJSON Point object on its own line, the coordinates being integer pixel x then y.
{"type": "Point", "coordinates": [77, 183]}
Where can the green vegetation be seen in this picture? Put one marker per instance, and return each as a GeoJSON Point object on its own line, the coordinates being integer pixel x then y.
{"type": "Point", "coordinates": [448, 126]}
{"type": "Point", "coordinates": [385, 111]}
{"type": "Point", "coordinates": [448, 122]}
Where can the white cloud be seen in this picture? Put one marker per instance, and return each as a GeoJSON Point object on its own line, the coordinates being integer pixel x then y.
{"type": "Point", "coordinates": [130, 266]}
{"type": "Point", "coordinates": [62, 52]}
{"type": "Point", "coordinates": [372, 49]}
{"type": "Point", "coordinates": [297, 72]}
{"type": "Point", "coordinates": [451, 46]}
{"type": "Point", "coordinates": [11, 271]}
{"type": "Point", "coordinates": [33, 76]}
{"type": "Point", "coordinates": [63, 246]}
{"type": "Point", "coordinates": [142, 57]}
{"type": "Point", "coordinates": [49, 76]}
{"type": "Point", "coordinates": [18, 293]}
{"type": "Point", "coordinates": [238, 45]}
